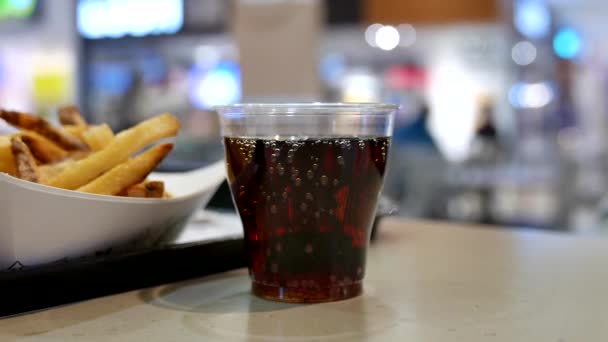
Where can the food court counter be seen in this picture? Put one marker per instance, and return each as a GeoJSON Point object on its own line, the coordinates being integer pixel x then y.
{"type": "Point", "coordinates": [426, 281]}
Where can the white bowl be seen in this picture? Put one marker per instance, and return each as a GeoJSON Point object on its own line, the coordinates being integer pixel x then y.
{"type": "Point", "coordinates": [41, 224]}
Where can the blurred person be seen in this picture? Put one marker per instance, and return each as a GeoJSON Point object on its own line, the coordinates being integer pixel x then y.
{"type": "Point", "coordinates": [416, 174]}
{"type": "Point", "coordinates": [416, 134]}
{"type": "Point", "coordinates": [485, 127]}
{"type": "Point", "coordinates": [486, 144]}
{"type": "Point", "coordinates": [485, 154]}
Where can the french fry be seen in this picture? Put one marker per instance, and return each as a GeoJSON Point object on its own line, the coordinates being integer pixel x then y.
{"type": "Point", "coordinates": [48, 172]}
{"type": "Point", "coordinates": [87, 158]}
{"type": "Point", "coordinates": [129, 173]}
{"type": "Point", "coordinates": [75, 131]}
{"type": "Point", "coordinates": [147, 189]}
{"type": "Point", "coordinates": [156, 189]}
{"type": "Point", "coordinates": [78, 155]}
{"type": "Point", "coordinates": [7, 161]}
{"type": "Point", "coordinates": [42, 127]}
{"type": "Point", "coordinates": [137, 190]}
{"type": "Point", "coordinates": [42, 148]}
{"type": "Point", "coordinates": [98, 137]}
{"type": "Point", "coordinates": [26, 167]}
{"type": "Point", "coordinates": [120, 149]}
{"type": "Point", "coordinates": [70, 115]}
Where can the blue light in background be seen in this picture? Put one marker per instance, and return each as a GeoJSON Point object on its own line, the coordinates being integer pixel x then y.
{"type": "Point", "coordinates": [567, 43]}
{"type": "Point", "coordinates": [153, 69]}
{"type": "Point", "coordinates": [220, 85]}
{"type": "Point", "coordinates": [532, 19]}
{"type": "Point", "coordinates": [111, 79]}
{"type": "Point", "coordinates": [333, 68]}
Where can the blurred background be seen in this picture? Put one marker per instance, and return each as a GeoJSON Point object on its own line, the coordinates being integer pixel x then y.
{"type": "Point", "coordinates": [503, 112]}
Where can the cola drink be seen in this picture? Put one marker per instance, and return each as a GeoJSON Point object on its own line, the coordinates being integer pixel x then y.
{"type": "Point", "coordinates": [307, 207]}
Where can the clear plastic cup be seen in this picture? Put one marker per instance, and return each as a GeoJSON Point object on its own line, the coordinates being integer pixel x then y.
{"type": "Point", "coordinates": [305, 179]}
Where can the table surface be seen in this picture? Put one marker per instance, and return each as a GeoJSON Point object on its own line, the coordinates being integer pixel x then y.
{"type": "Point", "coordinates": [426, 281]}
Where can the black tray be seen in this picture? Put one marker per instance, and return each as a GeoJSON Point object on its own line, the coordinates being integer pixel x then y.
{"type": "Point", "coordinates": [32, 288]}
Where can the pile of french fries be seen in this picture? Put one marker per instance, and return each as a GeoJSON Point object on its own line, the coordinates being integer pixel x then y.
{"type": "Point", "coordinates": [87, 158]}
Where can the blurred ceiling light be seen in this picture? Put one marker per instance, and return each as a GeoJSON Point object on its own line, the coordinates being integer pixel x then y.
{"type": "Point", "coordinates": [387, 38]}
{"type": "Point", "coordinates": [567, 43]}
{"type": "Point", "coordinates": [531, 95]}
{"type": "Point", "coordinates": [370, 34]}
{"type": "Point", "coordinates": [118, 18]}
{"type": "Point", "coordinates": [523, 53]}
{"type": "Point", "coordinates": [407, 35]}
{"type": "Point", "coordinates": [532, 18]}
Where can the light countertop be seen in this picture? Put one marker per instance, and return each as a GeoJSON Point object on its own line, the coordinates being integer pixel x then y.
{"type": "Point", "coordinates": [426, 282]}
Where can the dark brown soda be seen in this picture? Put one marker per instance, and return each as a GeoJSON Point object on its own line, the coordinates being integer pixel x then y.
{"type": "Point", "coordinates": [307, 207]}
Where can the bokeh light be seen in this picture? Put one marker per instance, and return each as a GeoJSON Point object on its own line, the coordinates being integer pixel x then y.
{"type": "Point", "coordinates": [407, 35]}
{"type": "Point", "coordinates": [567, 43]}
{"type": "Point", "coordinates": [218, 86]}
{"type": "Point", "coordinates": [523, 53]}
{"type": "Point", "coordinates": [387, 38]}
{"type": "Point", "coordinates": [370, 34]}
{"type": "Point", "coordinates": [118, 18]}
{"type": "Point", "coordinates": [531, 95]}
{"type": "Point", "coordinates": [532, 19]}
